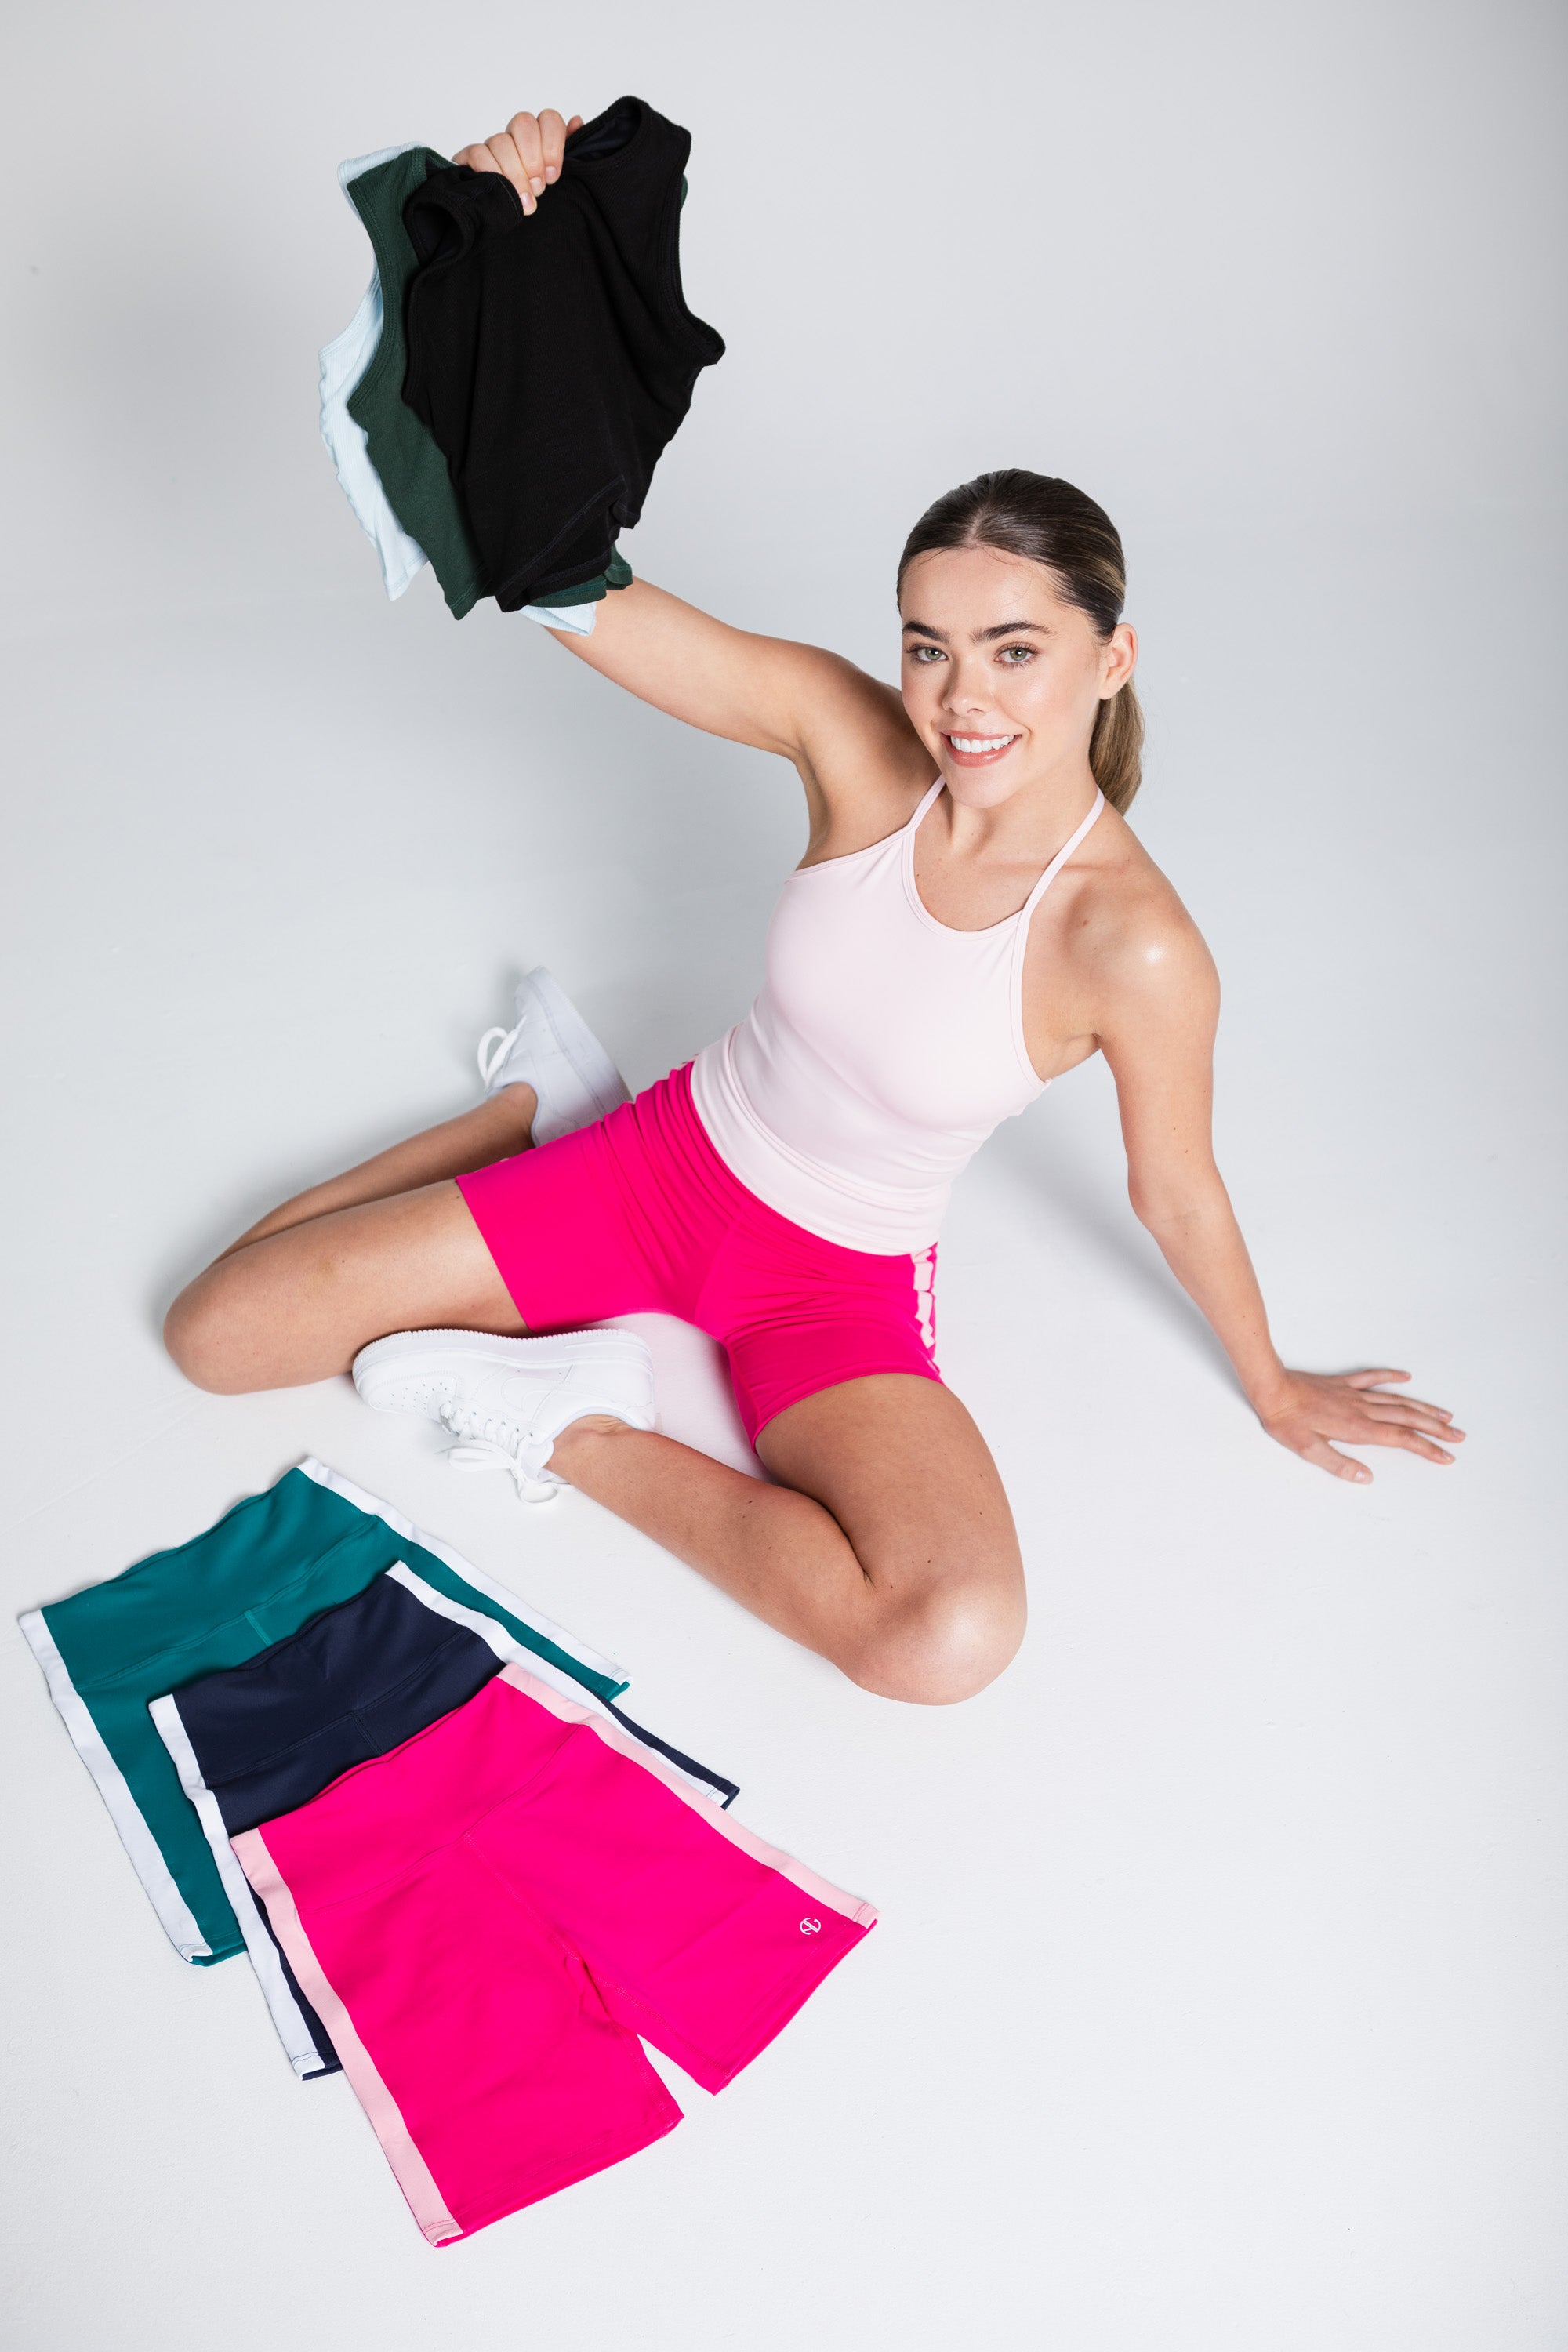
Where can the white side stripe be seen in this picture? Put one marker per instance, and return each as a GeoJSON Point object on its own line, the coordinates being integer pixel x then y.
{"type": "Point", "coordinates": [298, 2040]}
{"type": "Point", "coordinates": [924, 1264]}
{"type": "Point", "coordinates": [513, 1653]}
{"type": "Point", "coordinates": [493, 1590]}
{"type": "Point", "coordinates": [179, 1923]}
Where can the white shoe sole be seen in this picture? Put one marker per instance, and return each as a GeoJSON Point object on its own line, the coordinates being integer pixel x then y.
{"type": "Point", "coordinates": [409, 1371]}
{"type": "Point", "coordinates": [597, 1075]}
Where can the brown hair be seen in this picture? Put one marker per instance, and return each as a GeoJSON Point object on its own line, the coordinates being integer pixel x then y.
{"type": "Point", "coordinates": [1048, 521]}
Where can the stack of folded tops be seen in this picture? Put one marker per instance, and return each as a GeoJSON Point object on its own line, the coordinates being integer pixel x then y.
{"type": "Point", "coordinates": [499, 401]}
{"type": "Point", "coordinates": [465, 1877]}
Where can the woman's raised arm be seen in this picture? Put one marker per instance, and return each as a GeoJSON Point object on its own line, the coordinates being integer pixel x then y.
{"type": "Point", "coordinates": [767, 691]}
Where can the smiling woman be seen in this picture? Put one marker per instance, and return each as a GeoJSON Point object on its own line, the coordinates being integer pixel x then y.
{"type": "Point", "coordinates": [972, 916]}
{"type": "Point", "coordinates": [1050, 524]}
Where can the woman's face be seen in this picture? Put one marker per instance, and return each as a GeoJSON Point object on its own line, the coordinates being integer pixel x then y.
{"type": "Point", "coordinates": [1002, 677]}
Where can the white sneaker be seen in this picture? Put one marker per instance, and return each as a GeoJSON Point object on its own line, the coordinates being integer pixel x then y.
{"type": "Point", "coordinates": [506, 1401]}
{"type": "Point", "coordinates": [552, 1049]}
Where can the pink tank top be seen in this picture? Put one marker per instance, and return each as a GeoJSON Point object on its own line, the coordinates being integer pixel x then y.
{"type": "Point", "coordinates": [883, 1051]}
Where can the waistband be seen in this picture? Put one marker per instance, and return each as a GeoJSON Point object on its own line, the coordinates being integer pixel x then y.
{"type": "Point", "coordinates": [865, 1219]}
{"type": "Point", "coordinates": [440, 1786]}
{"type": "Point", "coordinates": [669, 1109]}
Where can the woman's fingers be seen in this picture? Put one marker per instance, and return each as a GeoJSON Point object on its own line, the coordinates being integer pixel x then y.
{"type": "Point", "coordinates": [521, 168]}
{"type": "Point", "coordinates": [1420, 1407]}
{"type": "Point", "coordinates": [500, 155]}
{"type": "Point", "coordinates": [1339, 1466]}
{"type": "Point", "coordinates": [1368, 1431]}
{"type": "Point", "coordinates": [1358, 1409]}
{"type": "Point", "coordinates": [523, 133]}
{"type": "Point", "coordinates": [1414, 1442]}
{"type": "Point", "coordinates": [1403, 1404]}
{"type": "Point", "coordinates": [529, 152]}
{"type": "Point", "coordinates": [1369, 1396]}
{"type": "Point", "coordinates": [1412, 1416]}
{"type": "Point", "coordinates": [554, 134]}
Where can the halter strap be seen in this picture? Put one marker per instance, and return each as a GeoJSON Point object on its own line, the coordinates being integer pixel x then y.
{"type": "Point", "coordinates": [914, 824]}
{"type": "Point", "coordinates": [1059, 860]}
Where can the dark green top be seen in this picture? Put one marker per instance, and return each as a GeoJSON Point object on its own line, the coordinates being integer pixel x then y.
{"type": "Point", "coordinates": [618, 574]}
{"type": "Point", "coordinates": [402, 448]}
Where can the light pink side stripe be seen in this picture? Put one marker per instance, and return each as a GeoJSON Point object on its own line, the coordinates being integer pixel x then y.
{"type": "Point", "coordinates": [851, 1906]}
{"type": "Point", "coordinates": [414, 2175]}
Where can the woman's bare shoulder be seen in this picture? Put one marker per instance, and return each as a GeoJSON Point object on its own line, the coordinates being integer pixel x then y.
{"type": "Point", "coordinates": [1131, 933]}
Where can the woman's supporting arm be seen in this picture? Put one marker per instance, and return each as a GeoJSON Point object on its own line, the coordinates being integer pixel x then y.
{"type": "Point", "coordinates": [1159, 1043]}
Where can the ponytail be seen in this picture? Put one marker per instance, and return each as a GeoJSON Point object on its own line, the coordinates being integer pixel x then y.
{"type": "Point", "coordinates": [1116, 746]}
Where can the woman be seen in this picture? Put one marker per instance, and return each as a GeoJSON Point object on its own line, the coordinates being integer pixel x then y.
{"type": "Point", "coordinates": [973, 918]}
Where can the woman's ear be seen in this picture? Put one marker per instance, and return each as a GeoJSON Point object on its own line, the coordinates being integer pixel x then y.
{"type": "Point", "coordinates": [1118, 660]}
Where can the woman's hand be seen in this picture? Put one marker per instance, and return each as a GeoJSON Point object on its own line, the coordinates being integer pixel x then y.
{"type": "Point", "coordinates": [528, 151]}
{"type": "Point", "coordinates": [1312, 1407]}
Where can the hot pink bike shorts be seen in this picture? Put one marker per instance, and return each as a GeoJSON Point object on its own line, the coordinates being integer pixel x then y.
{"type": "Point", "coordinates": [488, 1917]}
{"type": "Point", "coordinates": [637, 1215]}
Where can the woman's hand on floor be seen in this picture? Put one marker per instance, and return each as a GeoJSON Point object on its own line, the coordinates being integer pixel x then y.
{"type": "Point", "coordinates": [1354, 1407]}
{"type": "Point", "coordinates": [528, 151]}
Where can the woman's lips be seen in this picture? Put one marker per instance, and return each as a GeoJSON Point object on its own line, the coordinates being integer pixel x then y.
{"type": "Point", "coordinates": [978, 750]}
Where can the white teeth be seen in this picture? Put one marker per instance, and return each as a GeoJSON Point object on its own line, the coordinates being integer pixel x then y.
{"type": "Point", "coordinates": [980, 742]}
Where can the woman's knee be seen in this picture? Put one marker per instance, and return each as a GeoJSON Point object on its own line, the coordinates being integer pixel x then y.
{"type": "Point", "coordinates": [203, 1332]}
{"type": "Point", "coordinates": [959, 1635]}
{"type": "Point", "coordinates": [189, 1335]}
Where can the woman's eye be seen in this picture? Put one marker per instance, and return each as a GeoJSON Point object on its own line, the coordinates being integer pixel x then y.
{"type": "Point", "coordinates": [1025, 654]}
{"type": "Point", "coordinates": [925, 655]}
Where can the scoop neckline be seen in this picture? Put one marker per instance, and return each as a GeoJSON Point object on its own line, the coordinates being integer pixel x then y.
{"type": "Point", "coordinates": [1042, 881]}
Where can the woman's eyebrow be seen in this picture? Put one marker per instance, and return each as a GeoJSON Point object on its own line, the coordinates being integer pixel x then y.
{"type": "Point", "coordinates": [981, 636]}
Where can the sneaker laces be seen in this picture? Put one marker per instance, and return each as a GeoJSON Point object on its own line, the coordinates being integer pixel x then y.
{"type": "Point", "coordinates": [487, 1440]}
{"type": "Point", "coordinates": [489, 1063]}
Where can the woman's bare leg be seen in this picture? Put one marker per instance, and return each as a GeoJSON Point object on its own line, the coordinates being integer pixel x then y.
{"type": "Point", "coordinates": [387, 1246]}
{"type": "Point", "coordinates": [887, 1544]}
{"type": "Point", "coordinates": [494, 1130]}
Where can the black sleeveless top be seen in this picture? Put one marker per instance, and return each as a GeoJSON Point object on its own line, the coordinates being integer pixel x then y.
{"type": "Point", "coordinates": [553, 356]}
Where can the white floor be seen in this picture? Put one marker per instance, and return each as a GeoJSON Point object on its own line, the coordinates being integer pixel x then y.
{"type": "Point", "coordinates": [1218, 2003]}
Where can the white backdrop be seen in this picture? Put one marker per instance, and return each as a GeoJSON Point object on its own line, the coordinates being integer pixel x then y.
{"type": "Point", "coordinates": [1218, 1997]}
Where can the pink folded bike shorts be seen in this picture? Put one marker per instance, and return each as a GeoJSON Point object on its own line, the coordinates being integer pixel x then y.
{"type": "Point", "coordinates": [486, 1920]}
{"type": "Point", "coordinates": [637, 1215]}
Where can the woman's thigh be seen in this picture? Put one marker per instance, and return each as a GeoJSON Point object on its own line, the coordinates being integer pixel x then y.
{"type": "Point", "coordinates": [900, 1465]}
{"type": "Point", "coordinates": [300, 1305]}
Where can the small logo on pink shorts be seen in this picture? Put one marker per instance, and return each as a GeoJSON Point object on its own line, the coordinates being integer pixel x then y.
{"type": "Point", "coordinates": [811, 1927]}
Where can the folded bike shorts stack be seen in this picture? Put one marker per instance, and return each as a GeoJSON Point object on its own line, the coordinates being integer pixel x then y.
{"type": "Point", "coordinates": [463, 1875]}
